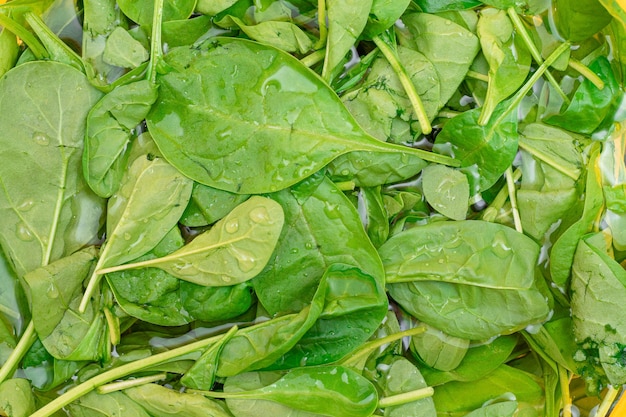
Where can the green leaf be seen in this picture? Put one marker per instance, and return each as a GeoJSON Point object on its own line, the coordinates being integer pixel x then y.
{"type": "Point", "coordinates": [436, 6]}
{"type": "Point", "coordinates": [383, 15]}
{"type": "Point", "coordinates": [507, 55]}
{"type": "Point", "coordinates": [317, 230]}
{"type": "Point", "coordinates": [260, 126]}
{"type": "Point", "coordinates": [486, 151]}
{"type": "Point", "coordinates": [446, 190]}
{"type": "Point", "coordinates": [235, 250]}
{"type": "Point", "coordinates": [164, 402]}
{"type": "Point", "coordinates": [577, 20]}
{"type": "Point", "coordinates": [326, 390]}
{"type": "Point", "coordinates": [109, 126]}
{"type": "Point", "coordinates": [598, 297]}
{"type": "Point", "coordinates": [141, 11]}
{"type": "Point", "coordinates": [106, 405]}
{"type": "Point", "coordinates": [282, 35]}
{"type": "Point", "coordinates": [66, 333]}
{"type": "Point", "coordinates": [208, 205]}
{"type": "Point", "coordinates": [122, 50]}
{"type": "Point", "coordinates": [499, 409]}
{"type": "Point", "coordinates": [16, 398]}
{"type": "Point", "coordinates": [47, 210]}
{"type": "Point", "coordinates": [439, 350]}
{"type": "Point", "coordinates": [438, 272]}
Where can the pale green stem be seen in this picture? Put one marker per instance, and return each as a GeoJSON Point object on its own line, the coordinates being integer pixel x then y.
{"type": "Point", "coordinates": [521, 30]}
{"type": "Point", "coordinates": [93, 281]}
{"type": "Point", "coordinates": [586, 72]}
{"type": "Point", "coordinates": [543, 157]}
{"type": "Point", "coordinates": [120, 372]}
{"type": "Point", "coordinates": [512, 190]}
{"type": "Point", "coordinates": [406, 397]}
{"type": "Point", "coordinates": [129, 383]}
{"type": "Point", "coordinates": [491, 212]}
{"type": "Point", "coordinates": [28, 338]}
{"type": "Point", "coordinates": [407, 84]}
{"type": "Point", "coordinates": [607, 401]}
{"type": "Point", "coordinates": [321, 21]}
{"type": "Point", "coordinates": [313, 58]}
{"type": "Point", "coordinates": [28, 38]}
{"type": "Point", "coordinates": [565, 393]}
{"type": "Point", "coordinates": [113, 324]}
{"type": "Point", "coordinates": [478, 76]}
{"type": "Point", "coordinates": [528, 85]}
{"type": "Point", "coordinates": [156, 47]}
{"type": "Point", "coordinates": [448, 114]}
{"type": "Point", "coordinates": [345, 185]}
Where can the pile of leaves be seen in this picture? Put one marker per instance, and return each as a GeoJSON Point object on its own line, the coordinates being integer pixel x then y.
{"type": "Point", "coordinates": [299, 208]}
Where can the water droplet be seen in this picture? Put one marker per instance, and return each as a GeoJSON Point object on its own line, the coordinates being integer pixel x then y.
{"type": "Point", "coordinates": [127, 236]}
{"type": "Point", "coordinates": [294, 250]}
{"type": "Point", "coordinates": [500, 246]}
{"type": "Point", "coordinates": [260, 215]}
{"type": "Point", "coordinates": [26, 205]}
{"type": "Point", "coordinates": [53, 291]}
{"type": "Point", "coordinates": [245, 261]}
{"type": "Point", "coordinates": [308, 245]}
{"type": "Point", "coordinates": [23, 232]}
{"type": "Point", "coordinates": [226, 278]}
{"type": "Point", "coordinates": [41, 139]}
{"type": "Point", "coordinates": [232, 226]}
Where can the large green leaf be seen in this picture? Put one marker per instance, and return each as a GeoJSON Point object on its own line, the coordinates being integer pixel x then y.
{"type": "Point", "coordinates": [47, 209]}
{"type": "Point", "coordinates": [231, 109]}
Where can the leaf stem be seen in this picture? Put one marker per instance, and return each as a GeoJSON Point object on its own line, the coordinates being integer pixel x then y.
{"type": "Point", "coordinates": [406, 397]}
{"type": "Point", "coordinates": [111, 375]}
{"type": "Point", "coordinates": [586, 72]}
{"type": "Point", "coordinates": [94, 279]}
{"type": "Point", "coordinates": [565, 393]}
{"type": "Point", "coordinates": [58, 50]}
{"type": "Point", "coordinates": [544, 158]}
{"type": "Point", "coordinates": [510, 183]}
{"type": "Point", "coordinates": [129, 383]}
{"type": "Point", "coordinates": [313, 58]}
{"type": "Point", "coordinates": [607, 402]}
{"type": "Point", "coordinates": [528, 85]}
{"type": "Point", "coordinates": [477, 76]}
{"type": "Point", "coordinates": [519, 26]}
{"type": "Point", "coordinates": [321, 21]}
{"type": "Point", "coordinates": [156, 48]}
{"type": "Point", "coordinates": [26, 341]}
{"type": "Point", "coordinates": [28, 38]}
{"type": "Point", "coordinates": [409, 87]}
{"type": "Point", "coordinates": [491, 212]}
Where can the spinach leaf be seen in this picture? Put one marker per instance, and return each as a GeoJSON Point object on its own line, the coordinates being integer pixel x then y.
{"type": "Point", "coordinates": [598, 293]}
{"type": "Point", "coordinates": [16, 398]}
{"type": "Point", "coordinates": [47, 210]}
{"type": "Point", "coordinates": [373, 214]}
{"type": "Point", "coordinates": [122, 50]}
{"type": "Point", "coordinates": [446, 190]}
{"type": "Point", "coordinates": [439, 350]}
{"type": "Point", "coordinates": [109, 126]}
{"type": "Point", "coordinates": [208, 205]}
{"type": "Point", "coordinates": [580, 19]}
{"type": "Point", "coordinates": [485, 151]}
{"type": "Point", "coordinates": [346, 21]}
{"type": "Point", "coordinates": [436, 272]}
{"type": "Point", "coordinates": [507, 55]}
{"type": "Point", "coordinates": [235, 250]}
{"type": "Point", "coordinates": [282, 35]}
{"type": "Point", "coordinates": [383, 15]}
{"type": "Point", "coordinates": [370, 169]}
{"type": "Point", "coordinates": [291, 144]}
{"type": "Point", "coordinates": [310, 243]}
{"type": "Point", "coordinates": [9, 50]}
{"type": "Point", "coordinates": [326, 390]}
{"type": "Point", "coordinates": [105, 405]}
{"type": "Point", "coordinates": [436, 6]}
{"type": "Point", "coordinates": [164, 402]}
{"type": "Point", "coordinates": [202, 374]}
{"type": "Point", "coordinates": [499, 409]}
{"type": "Point", "coordinates": [141, 11]}
{"type": "Point", "coordinates": [64, 331]}
{"type": "Point", "coordinates": [590, 106]}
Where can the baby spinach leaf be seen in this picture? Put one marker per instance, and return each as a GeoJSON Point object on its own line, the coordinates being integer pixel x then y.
{"type": "Point", "coordinates": [105, 405]}
{"type": "Point", "coordinates": [212, 304]}
{"type": "Point", "coordinates": [47, 210]}
{"type": "Point", "coordinates": [598, 292]}
{"type": "Point", "coordinates": [282, 35]}
{"type": "Point", "coordinates": [373, 215]}
{"type": "Point", "coordinates": [438, 271]}
{"type": "Point", "coordinates": [436, 6]}
{"type": "Point", "coordinates": [439, 350]}
{"type": "Point", "coordinates": [44, 371]}
{"type": "Point", "coordinates": [450, 47]}
{"type": "Point", "coordinates": [354, 305]}
{"type": "Point", "coordinates": [9, 50]}
{"type": "Point", "coordinates": [479, 361]}
{"type": "Point", "coordinates": [109, 126]}
{"type": "Point", "coordinates": [590, 106]}
{"type": "Point", "coordinates": [577, 20]}
{"type": "Point", "coordinates": [396, 376]}
{"type": "Point", "coordinates": [262, 122]}
{"type": "Point", "coordinates": [164, 402]}
{"type": "Point", "coordinates": [208, 205]}
{"type": "Point", "coordinates": [562, 253]}
{"type": "Point", "coordinates": [370, 169]}
{"type": "Point", "coordinates": [346, 21]}
{"type": "Point", "coordinates": [141, 11]}
{"type": "Point", "coordinates": [485, 151]}
{"type": "Point", "coordinates": [326, 390]}
{"type": "Point", "coordinates": [235, 250]}
{"type": "Point", "coordinates": [505, 383]}
{"type": "Point", "coordinates": [16, 398]}
{"type": "Point", "coordinates": [507, 55]}
{"type": "Point", "coordinates": [122, 50]}
{"type": "Point", "coordinates": [383, 15]}
{"type": "Point", "coordinates": [309, 244]}
{"type": "Point", "coordinates": [446, 190]}
{"type": "Point", "coordinates": [65, 332]}
{"type": "Point", "coordinates": [499, 409]}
